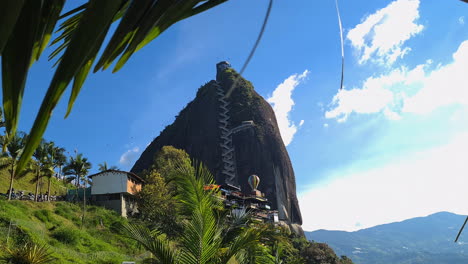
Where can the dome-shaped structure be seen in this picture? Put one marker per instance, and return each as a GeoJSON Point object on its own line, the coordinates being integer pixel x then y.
{"type": "Point", "coordinates": [223, 66]}
{"type": "Point", "coordinates": [254, 180]}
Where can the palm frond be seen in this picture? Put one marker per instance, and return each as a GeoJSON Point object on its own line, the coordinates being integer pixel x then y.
{"type": "Point", "coordinates": [88, 35]}
{"type": "Point", "coordinates": [16, 59]}
{"type": "Point", "coordinates": [9, 14]}
{"type": "Point", "coordinates": [190, 183]}
{"type": "Point", "coordinates": [201, 238]}
{"type": "Point", "coordinates": [249, 238]}
{"type": "Point", "coordinates": [26, 27]}
{"type": "Point", "coordinates": [151, 241]}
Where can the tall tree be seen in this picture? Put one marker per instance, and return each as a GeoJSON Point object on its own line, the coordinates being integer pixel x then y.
{"type": "Point", "coordinates": [56, 159]}
{"type": "Point", "coordinates": [79, 167]}
{"type": "Point", "coordinates": [156, 200]}
{"type": "Point", "coordinates": [103, 167]}
{"type": "Point", "coordinates": [13, 146]}
{"type": "Point", "coordinates": [2, 121]}
{"type": "Point", "coordinates": [59, 160]}
{"type": "Point", "coordinates": [41, 156]}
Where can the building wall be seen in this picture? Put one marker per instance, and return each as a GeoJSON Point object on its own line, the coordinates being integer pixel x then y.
{"type": "Point", "coordinates": [115, 205]}
{"type": "Point", "coordinates": [133, 187]}
{"type": "Point", "coordinates": [109, 182]}
{"type": "Point", "coordinates": [129, 205]}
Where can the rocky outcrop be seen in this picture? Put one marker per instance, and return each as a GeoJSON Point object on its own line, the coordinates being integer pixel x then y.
{"type": "Point", "coordinates": [258, 150]}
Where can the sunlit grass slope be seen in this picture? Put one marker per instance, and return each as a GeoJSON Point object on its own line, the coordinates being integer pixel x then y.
{"type": "Point", "coordinates": [57, 224]}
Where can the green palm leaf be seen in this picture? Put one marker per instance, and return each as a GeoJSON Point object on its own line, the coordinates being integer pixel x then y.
{"type": "Point", "coordinates": [153, 242]}
{"type": "Point", "coordinates": [94, 23]}
{"type": "Point", "coordinates": [9, 14]}
{"type": "Point", "coordinates": [16, 59]}
{"type": "Point", "coordinates": [26, 27]}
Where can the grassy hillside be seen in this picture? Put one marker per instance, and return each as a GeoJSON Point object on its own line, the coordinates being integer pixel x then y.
{"type": "Point", "coordinates": [26, 184]}
{"type": "Point", "coordinates": [57, 224]}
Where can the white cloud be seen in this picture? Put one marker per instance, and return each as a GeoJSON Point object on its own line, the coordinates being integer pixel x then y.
{"type": "Point", "coordinates": [325, 125]}
{"type": "Point", "coordinates": [420, 90]}
{"type": "Point", "coordinates": [447, 85]}
{"type": "Point", "coordinates": [411, 186]}
{"type": "Point", "coordinates": [129, 156]}
{"type": "Point", "coordinates": [282, 104]}
{"type": "Point", "coordinates": [301, 123]}
{"type": "Point", "coordinates": [461, 20]}
{"type": "Point", "coordinates": [384, 33]}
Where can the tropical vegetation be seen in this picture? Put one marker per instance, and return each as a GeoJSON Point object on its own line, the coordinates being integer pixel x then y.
{"type": "Point", "coordinates": [103, 167]}
{"type": "Point", "coordinates": [13, 146]}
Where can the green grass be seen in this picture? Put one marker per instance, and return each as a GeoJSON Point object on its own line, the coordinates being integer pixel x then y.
{"type": "Point", "coordinates": [25, 184]}
{"type": "Point", "coordinates": [57, 224]}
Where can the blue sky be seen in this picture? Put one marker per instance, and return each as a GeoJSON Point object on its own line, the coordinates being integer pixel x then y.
{"type": "Point", "coordinates": [389, 146]}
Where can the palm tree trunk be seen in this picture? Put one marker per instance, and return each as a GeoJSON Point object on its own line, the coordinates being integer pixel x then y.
{"type": "Point", "coordinates": [11, 180]}
{"type": "Point", "coordinates": [37, 187]}
{"type": "Point", "coordinates": [84, 204]}
{"type": "Point", "coordinates": [48, 189]}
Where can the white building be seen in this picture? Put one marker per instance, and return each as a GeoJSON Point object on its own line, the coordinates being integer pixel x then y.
{"type": "Point", "coordinates": [115, 190]}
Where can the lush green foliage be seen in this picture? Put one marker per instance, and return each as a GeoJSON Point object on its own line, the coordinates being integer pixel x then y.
{"type": "Point", "coordinates": [13, 147]}
{"type": "Point", "coordinates": [56, 225]}
{"type": "Point", "coordinates": [29, 253]}
{"type": "Point", "coordinates": [67, 235]}
{"type": "Point", "coordinates": [77, 169]}
{"type": "Point", "coordinates": [207, 236]}
{"type": "Point", "coordinates": [157, 204]}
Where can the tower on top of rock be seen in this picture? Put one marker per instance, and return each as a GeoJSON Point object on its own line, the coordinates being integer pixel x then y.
{"type": "Point", "coordinates": [223, 66]}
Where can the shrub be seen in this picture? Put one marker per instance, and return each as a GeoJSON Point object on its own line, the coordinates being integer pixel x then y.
{"type": "Point", "coordinates": [67, 235]}
{"type": "Point", "coordinates": [29, 253]}
{"type": "Point", "coordinates": [44, 215]}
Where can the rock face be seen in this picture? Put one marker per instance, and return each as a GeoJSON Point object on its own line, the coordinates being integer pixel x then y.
{"type": "Point", "coordinates": [258, 150]}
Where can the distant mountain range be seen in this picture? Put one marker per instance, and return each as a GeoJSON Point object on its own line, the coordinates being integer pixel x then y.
{"type": "Point", "coordinates": [421, 240]}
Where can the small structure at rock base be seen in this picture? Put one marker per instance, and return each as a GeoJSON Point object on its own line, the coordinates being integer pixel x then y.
{"type": "Point", "coordinates": [255, 203]}
{"type": "Point", "coordinates": [114, 189]}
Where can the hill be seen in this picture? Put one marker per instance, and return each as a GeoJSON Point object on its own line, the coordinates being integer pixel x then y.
{"type": "Point", "coordinates": [424, 240]}
{"type": "Point", "coordinates": [57, 225]}
{"type": "Point", "coordinates": [25, 184]}
{"type": "Point", "coordinates": [204, 129]}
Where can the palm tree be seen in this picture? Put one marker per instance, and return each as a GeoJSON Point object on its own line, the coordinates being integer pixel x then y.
{"type": "Point", "coordinates": [79, 167]}
{"type": "Point", "coordinates": [2, 121]}
{"type": "Point", "coordinates": [59, 159]}
{"type": "Point", "coordinates": [206, 238]}
{"type": "Point", "coordinates": [55, 160]}
{"type": "Point", "coordinates": [103, 167]}
{"type": "Point", "coordinates": [42, 165]}
{"type": "Point", "coordinates": [14, 146]}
